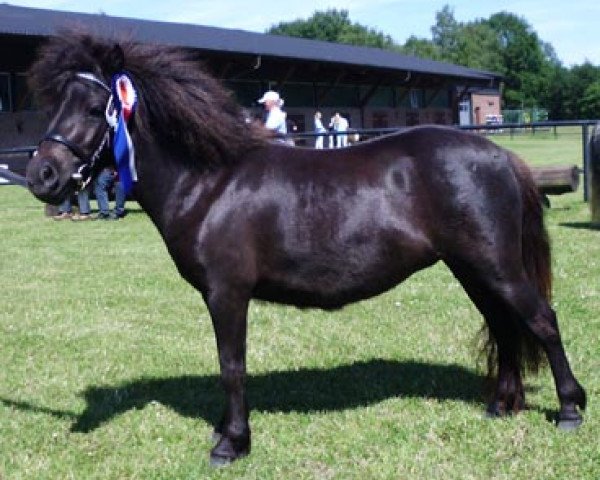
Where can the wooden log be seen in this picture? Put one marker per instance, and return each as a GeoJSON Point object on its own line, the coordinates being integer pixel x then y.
{"type": "Point", "coordinates": [556, 180]}
{"type": "Point", "coordinates": [594, 180]}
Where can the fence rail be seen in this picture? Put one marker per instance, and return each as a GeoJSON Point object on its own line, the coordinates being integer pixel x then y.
{"type": "Point", "coordinates": [512, 128]}
{"type": "Point", "coordinates": [12, 165]}
{"type": "Point", "coordinates": [18, 150]}
{"type": "Point", "coordinates": [585, 126]}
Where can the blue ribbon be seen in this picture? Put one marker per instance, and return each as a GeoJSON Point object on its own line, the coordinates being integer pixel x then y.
{"type": "Point", "coordinates": [123, 148]}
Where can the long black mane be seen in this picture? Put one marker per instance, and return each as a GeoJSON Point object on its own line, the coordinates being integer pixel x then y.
{"type": "Point", "coordinates": [180, 106]}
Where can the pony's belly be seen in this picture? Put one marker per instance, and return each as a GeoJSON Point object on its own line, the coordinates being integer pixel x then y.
{"type": "Point", "coordinates": [329, 288]}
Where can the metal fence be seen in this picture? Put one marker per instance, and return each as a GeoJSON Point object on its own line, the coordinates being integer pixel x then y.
{"type": "Point", "coordinates": [365, 133]}
{"type": "Point", "coordinates": [511, 129]}
{"type": "Point", "coordinates": [12, 163]}
{"type": "Point", "coordinates": [525, 115]}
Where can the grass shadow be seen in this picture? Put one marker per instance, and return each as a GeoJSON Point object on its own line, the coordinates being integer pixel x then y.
{"type": "Point", "coordinates": [581, 225]}
{"type": "Point", "coordinates": [305, 390]}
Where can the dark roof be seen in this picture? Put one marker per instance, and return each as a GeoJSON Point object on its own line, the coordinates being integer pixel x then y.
{"type": "Point", "coordinates": [22, 21]}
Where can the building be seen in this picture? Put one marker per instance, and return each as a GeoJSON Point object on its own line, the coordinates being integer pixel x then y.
{"type": "Point", "coordinates": [371, 87]}
{"type": "Point", "coordinates": [481, 106]}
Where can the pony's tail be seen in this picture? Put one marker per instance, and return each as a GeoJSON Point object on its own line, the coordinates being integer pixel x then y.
{"type": "Point", "coordinates": [535, 246]}
{"type": "Point", "coordinates": [535, 241]}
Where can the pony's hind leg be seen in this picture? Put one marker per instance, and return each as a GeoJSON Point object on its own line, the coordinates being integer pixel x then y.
{"type": "Point", "coordinates": [502, 347]}
{"type": "Point", "coordinates": [504, 359]}
{"type": "Point", "coordinates": [523, 325]}
{"type": "Point", "coordinates": [537, 317]}
{"type": "Point", "coordinates": [570, 393]}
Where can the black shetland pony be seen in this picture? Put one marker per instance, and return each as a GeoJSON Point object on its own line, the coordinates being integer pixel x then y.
{"type": "Point", "coordinates": [246, 218]}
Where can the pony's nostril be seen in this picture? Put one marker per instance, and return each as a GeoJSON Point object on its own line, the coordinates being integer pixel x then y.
{"type": "Point", "coordinates": [48, 174]}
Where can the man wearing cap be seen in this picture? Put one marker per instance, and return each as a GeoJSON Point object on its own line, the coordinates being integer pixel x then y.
{"type": "Point", "coordinates": [276, 118]}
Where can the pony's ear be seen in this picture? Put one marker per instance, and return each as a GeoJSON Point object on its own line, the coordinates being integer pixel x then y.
{"type": "Point", "coordinates": [115, 58]}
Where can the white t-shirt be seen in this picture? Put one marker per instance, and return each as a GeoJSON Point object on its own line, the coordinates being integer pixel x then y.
{"type": "Point", "coordinates": [342, 125]}
{"type": "Point", "coordinates": [276, 121]}
{"type": "Point", "coordinates": [319, 126]}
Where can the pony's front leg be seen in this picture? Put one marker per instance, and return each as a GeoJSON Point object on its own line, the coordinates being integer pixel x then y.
{"type": "Point", "coordinates": [228, 309]}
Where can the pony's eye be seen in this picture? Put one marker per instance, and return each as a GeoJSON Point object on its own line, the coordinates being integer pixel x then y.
{"type": "Point", "coordinates": [96, 112]}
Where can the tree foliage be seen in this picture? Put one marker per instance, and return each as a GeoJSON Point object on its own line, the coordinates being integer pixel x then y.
{"type": "Point", "coordinates": [421, 47]}
{"type": "Point", "coordinates": [504, 43]}
{"type": "Point", "coordinates": [334, 26]}
{"type": "Point", "coordinates": [589, 105]}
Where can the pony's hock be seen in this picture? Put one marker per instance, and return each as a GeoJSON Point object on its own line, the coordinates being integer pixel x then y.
{"type": "Point", "coordinates": [245, 218]}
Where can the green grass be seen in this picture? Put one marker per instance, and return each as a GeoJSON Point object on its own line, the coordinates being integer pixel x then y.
{"type": "Point", "coordinates": [560, 146]}
{"type": "Point", "coordinates": [109, 370]}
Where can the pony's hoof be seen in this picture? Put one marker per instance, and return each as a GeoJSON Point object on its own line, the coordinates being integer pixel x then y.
{"type": "Point", "coordinates": [570, 424]}
{"type": "Point", "coordinates": [494, 410]}
{"type": "Point", "coordinates": [227, 451]}
{"type": "Point", "coordinates": [492, 414]}
{"type": "Point", "coordinates": [217, 461]}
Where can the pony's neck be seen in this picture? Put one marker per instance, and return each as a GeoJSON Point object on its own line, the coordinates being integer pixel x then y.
{"type": "Point", "coordinates": [168, 188]}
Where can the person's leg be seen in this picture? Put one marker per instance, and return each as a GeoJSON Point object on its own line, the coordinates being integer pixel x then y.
{"type": "Point", "coordinates": [101, 186]}
{"type": "Point", "coordinates": [64, 210]}
{"type": "Point", "coordinates": [319, 142]}
{"type": "Point", "coordinates": [83, 199]}
{"type": "Point", "coordinates": [120, 199]}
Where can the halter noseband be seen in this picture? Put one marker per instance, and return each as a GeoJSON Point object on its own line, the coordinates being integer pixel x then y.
{"type": "Point", "coordinates": [84, 172]}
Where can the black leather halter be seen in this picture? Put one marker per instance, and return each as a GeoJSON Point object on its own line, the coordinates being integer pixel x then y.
{"type": "Point", "coordinates": [58, 138]}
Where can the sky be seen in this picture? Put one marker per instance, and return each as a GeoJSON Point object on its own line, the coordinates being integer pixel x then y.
{"type": "Point", "coordinates": [572, 28]}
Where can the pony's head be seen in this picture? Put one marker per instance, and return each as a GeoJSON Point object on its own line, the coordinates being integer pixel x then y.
{"type": "Point", "coordinates": [181, 109]}
{"type": "Point", "coordinates": [71, 81]}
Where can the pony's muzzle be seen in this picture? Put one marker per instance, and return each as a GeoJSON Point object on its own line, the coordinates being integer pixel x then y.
{"type": "Point", "coordinates": [44, 179]}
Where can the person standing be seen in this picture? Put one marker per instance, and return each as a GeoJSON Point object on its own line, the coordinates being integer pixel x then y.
{"type": "Point", "coordinates": [332, 131]}
{"type": "Point", "coordinates": [276, 118]}
{"type": "Point", "coordinates": [340, 124]}
{"type": "Point", "coordinates": [107, 179]}
{"type": "Point", "coordinates": [319, 130]}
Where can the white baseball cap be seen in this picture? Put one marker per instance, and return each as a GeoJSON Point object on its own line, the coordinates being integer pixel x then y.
{"type": "Point", "coordinates": [270, 96]}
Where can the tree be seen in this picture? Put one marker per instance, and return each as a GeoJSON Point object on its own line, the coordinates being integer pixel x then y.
{"type": "Point", "coordinates": [477, 47]}
{"type": "Point", "coordinates": [334, 26]}
{"type": "Point", "coordinates": [523, 56]}
{"type": "Point", "coordinates": [504, 43]}
{"type": "Point", "coordinates": [589, 105]}
{"type": "Point", "coordinates": [580, 78]}
{"type": "Point", "coordinates": [554, 97]}
{"type": "Point", "coordinates": [445, 33]}
{"type": "Point", "coordinates": [421, 47]}
{"type": "Point", "coordinates": [473, 44]}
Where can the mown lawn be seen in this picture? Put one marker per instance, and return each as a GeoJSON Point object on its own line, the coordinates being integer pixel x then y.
{"type": "Point", "coordinates": [108, 367]}
{"type": "Point", "coordinates": [544, 147]}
